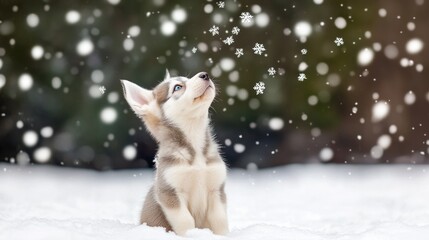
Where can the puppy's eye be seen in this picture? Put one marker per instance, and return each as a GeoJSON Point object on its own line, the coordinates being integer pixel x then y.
{"type": "Point", "coordinates": [177, 88]}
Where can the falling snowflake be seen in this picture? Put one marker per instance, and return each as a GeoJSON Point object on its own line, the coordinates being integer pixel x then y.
{"type": "Point", "coordinates": [271, 71]}
{"type": "Point", "coordinates": [239, 52]}
{"type": "Point", "coordinates": [259, 48]}
{"type": "Point", "coordinates": [259, 88]}
{"type": "Point", "coordinates": [221, 4]}
{"type": "Point", "coordinates": [304, 51]}
{"type": "Point", "coordinates": [339, 41]}
{"type": "Point", "coordinates": [235, 30]}
{"type": "Point", "coordinates": [194, 49]}
{"type": "Point", "coordinates": [302, 77]}
{"type": "Point", "coordinates": [246, 17]}
{"type": "Point", "coordinates": [102, 89]}
{"type": "Point", "coordinates": [229, 40]}
{"type": "Point", "coordinates": [214, 30]}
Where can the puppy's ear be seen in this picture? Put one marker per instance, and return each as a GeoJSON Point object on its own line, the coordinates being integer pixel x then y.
{"type": "Point", "coordinates": [167, 74]}
{"type": "Point", "coordinates": [138, 98]}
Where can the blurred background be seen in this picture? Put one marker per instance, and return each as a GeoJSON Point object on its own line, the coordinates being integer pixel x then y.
{"type": "Point", "coordinates": [345, 81]}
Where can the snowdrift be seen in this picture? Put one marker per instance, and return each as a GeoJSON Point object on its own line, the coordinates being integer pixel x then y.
{"type": "Point", "coordinates": [295, 202]}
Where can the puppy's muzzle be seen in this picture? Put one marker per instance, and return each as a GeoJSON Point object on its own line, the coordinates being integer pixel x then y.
{"type": "Point", "coordinates": [204, 76]}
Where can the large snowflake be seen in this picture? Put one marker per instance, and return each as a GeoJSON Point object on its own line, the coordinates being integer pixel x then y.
{"type": "Point", "coordinates": [339, 41]}
{"type": "Point", "coordinates": [229, 40]}
{"type": "Point", "coordinates": [102, 89]}
{"type": "Point", "coordinates": [271, 71]}
{"type": "Point", "coordinates": [259, 48]}
{"type": "Point", "coordinates": [246, 17]}
{"type": "Point", "coordinates": [221, 4]}
{"type": "Point", "coordinates": [235, 30]}
{"type": "Point", "coordinates": [239, 52]}
{"type": "Point", "coordinates": [214, 30]}
{"type": "Point", "coordinates": [259, 88]}
{"type": "Point", "coordinates": [302, 77]}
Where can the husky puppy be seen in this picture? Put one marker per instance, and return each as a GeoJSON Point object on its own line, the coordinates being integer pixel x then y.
{"type": "Point", "coordinates": [188, 191]}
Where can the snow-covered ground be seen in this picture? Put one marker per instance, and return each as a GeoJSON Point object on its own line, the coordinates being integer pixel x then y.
{"type": "Point", "coordinates": [295, 202]}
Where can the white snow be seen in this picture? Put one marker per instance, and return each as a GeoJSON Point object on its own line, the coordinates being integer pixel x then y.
{"type": "Point", "coordinates": [393, 129]}
{"type": "Point", "coordinates": [365, 56]}
{"type": "Point", "coordinates": [214, 30]}
{"type": "Point", "coordinates": [384, 141]}
{"type": "Point", "coordinates": [168, 28]}
{"type": "Point", "coordinates": [311, 202]}
{"type": "Point", "coordinates": [338, 41]}
{"type": "Point", "coordinates": [382, 12]}
{"type": "Point", "coordinates": [2, 81]}
{"type": "Point", "coordinates": [276, 124]}
{"type": "Point", "coordinates": [56, 82]}
{"type": "Point", "coordinates": [391, 51]}
{"type": "Point", "coordinates": [208, 8]}
{"type": "Point", "coordinates": [129, 152]}
{"type": "Point", "coordinates": [239, 148]}
{"type": "Point", "coordinates": [114, 2]}
{"type": "Point", "coordinates": [227, 64]}
{"type": "Point", "coordinates": [380, 111]}
{"type": "Point", "coordinates": [326, 154]}
{"type": "Point", "coordinates": [414, 46]}
{"type": "Point", "coordinates": [312, 100]}
{"type": "Point", "coordinates": [410, 98]}
{"type": "Point", "coordinates": [25, 82]}
{"type": "Point", "coordinates": [377, 152]}
{"type": "Point", "coordinates": [239, 52]}
{"type": "Point", "coordinates": [94, 91]}
{"type": "Point", "coordinates": [256, 8]}
{"type": "Point", "coordinates": [30, 138]}
{"type": "Point", "coordinates": [85, 47]}
{"type": "Point", "coordinates": [134, 31]}
{"type": "Point", "coordinates": [258, 48]}
{"type": "Point", "coordinates": [302, 77]}
{"type": "Point", "coordinates": [302, 66]}
{"type": "Point", "coordinates": [235, 30]}
{"type": "Point", "coordinates": [113, 97]}
{"type": "Point", "coordinates": [47, 132]}
{"type": "Point", "coordinates": [19, 124]}
{"type": "Point", "coordinates": [322, 68]}
{"type": "Point", "coordinates": [42, 154]}
{"type": "Point", "coordinates": [97, 76]}
{"type": "Point", "coordinates": [22, 158]}
{"type": "Point", "coordinates": [179, 15]}
{"type": "Point", "coordinates": [262, 20]}
{"type": "Point", "coordinates": [340, 23]}
{"type": "Point", "coordinates": [229, 40]}
{"type": "Point", "coordinates": [302, 29]}
{"type": "Point", "coordinates": [108, 115]}
{"type": "Point", "coordinates": [33, 20]}
{"type": "Point", "coordinates": [246, 17]}
{"type": "Point", "coordinates": [72, 17]}
{"type": "Point", "coordinates": [102, 89]}
{"type": "Point", "coordinates": [128, 44]}
{"type": "Point", "coordinates": [37, 52]}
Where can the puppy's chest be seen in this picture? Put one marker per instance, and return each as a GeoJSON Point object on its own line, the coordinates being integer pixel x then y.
{"type": "Point", "coordinates": [198, 177]}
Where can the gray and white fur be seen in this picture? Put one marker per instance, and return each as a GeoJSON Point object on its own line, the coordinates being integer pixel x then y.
{"type": "Point", "coordinates": [189, 187]}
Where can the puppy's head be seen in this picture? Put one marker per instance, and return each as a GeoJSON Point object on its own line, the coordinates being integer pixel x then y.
{"type": "Point", "coordinates": [176, 99]}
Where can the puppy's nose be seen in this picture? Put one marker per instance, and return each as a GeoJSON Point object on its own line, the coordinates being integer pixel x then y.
{"type": "Point", "coordinates": [204, 76]}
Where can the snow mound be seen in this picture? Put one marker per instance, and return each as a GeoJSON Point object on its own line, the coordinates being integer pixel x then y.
{"type": "Point", "coordinates": [296, 202]}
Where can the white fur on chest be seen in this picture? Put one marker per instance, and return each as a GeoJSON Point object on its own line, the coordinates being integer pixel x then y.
{"type": "Point", "coordinates": [195, 182]}
{"type": "Point", "coordinates": [201, 177]}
